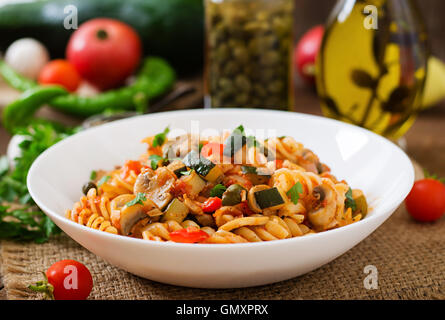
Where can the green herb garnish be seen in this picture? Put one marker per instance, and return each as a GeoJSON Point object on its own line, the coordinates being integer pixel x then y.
{"type": "Point", "coordinates": [26, 222]}
{"type": "Point", "coordinates": [154, 161]}
{"type": "Point", "coordinates": [294, 192]}
{"type": "Point", "coordinates": [161, 137]}
{"type": "Point", "coordinates": [200, 147]}
{"type": "Point", "coordinates": [140, 198]}
{"type": "Point", "coordinates": [218, 191]}
{"type": "Point", "coordinates": [349, 201]}
{"type": "Point", "coordinates": [103, 180]}
{"type": "Point", "coordinates": [93, 175]}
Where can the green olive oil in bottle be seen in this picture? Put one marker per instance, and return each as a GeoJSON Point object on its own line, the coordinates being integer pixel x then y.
{"type": "Point", "coordinates": [372, 65]}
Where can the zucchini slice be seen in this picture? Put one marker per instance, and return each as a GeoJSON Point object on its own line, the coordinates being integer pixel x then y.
{"type": "Point", "coordinates": [194, 183]}
{"type": "Point", "coordinates": [177, 167]}
{"type": "Point", "coordinates": [176, 210]}
{"type": "Point", "coordinates": [203, 166]}
{"type": "Point", "coordinates": [269, 198]}
{"type": "Point", "coordinates": [256, 175]}
{"type": "Point", "coordinates": [234, 142]}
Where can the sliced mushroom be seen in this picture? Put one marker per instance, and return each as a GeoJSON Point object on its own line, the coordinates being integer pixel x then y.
{"type": "Point", "coordinates": [143, 181]}
{"type": "Point", "coordinates": [156, 187]}
{"type": "Point", "coordinates": [324, 207]}
{"type": "Point", "coordinates": [124, 217]}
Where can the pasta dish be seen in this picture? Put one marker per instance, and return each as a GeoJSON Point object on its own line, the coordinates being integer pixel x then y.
{"type": "Point", "coordinates": [228, 188]}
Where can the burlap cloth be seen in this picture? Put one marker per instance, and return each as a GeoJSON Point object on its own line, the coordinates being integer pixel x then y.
{"type": "Point", "coordinates": [410, 259]}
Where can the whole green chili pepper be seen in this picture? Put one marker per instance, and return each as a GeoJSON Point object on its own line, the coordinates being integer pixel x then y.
{"type": "Point", "coordinates": [14, 79]}
{"type": "Point", "coordinates": [19, 112]}
{"type": "Point", "coordinates": [155, 78]}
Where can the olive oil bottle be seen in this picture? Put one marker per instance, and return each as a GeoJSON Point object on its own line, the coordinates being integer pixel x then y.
{"type": "Point", "coordinates": [372, 65]}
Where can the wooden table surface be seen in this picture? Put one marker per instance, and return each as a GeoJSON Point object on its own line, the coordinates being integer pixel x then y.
{"type": "Point", "coordinates": [426, 139]}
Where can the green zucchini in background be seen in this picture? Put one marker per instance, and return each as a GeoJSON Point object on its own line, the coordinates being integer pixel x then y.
{"type": "Point", "coordinates": [173, 29]}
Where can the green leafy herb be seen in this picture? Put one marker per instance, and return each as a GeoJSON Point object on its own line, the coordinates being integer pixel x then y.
{"type": "Point", "coordinates": [161, 137]}
{"type": "Point", "coordinates": [218, 191]}
{"type": "Point", "coordinates": [103, 180]}
{"type": "Point", "coordinates": [93, 175]}
{"type": "Point", "coordinates": [140, 198]}
{"type": "Point", "coordinates": [294, 192]}
{"type": "Point", "coordinates": [349, 201]}
{"type": "Point", "coordinates": [200, 147]}
{"type": "Point", "coordinates": [154, 161]}
{"type": "Point", "coordinates": [23, 221]}
{"type": "Point", "coordinates": [240, 128]}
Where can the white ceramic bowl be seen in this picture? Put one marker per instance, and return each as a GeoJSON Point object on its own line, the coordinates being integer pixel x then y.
{"type": "Point", "coordinates": [366, 160]}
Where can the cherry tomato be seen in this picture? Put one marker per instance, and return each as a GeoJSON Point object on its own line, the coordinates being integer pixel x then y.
{"type": "Point", "coordinates": [188, 235]}
{"type": "Point", "coordinates": [105, 52]}
{"type": "Point", "coordinates": [71, 280]}
{"type": "Point", "coordinates": [426, 201]}
{"type": "Point", "coordinates": [131, 165]}
{"type": "Point", "coordinates": [306, 53]}
{"type": "Point", "coordinates": [212, 148]}
{"type": "Point", "coordinates": [60, 72]}
{"type": "Point", "coordinates": [212, 204]}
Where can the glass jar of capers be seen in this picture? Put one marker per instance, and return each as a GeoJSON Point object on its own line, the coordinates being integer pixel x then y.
{"type": "Point", "coordinates": [248, 53]}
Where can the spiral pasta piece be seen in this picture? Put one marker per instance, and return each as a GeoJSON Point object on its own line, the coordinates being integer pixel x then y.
{"type": "Point", "coordinates": [92, 211]}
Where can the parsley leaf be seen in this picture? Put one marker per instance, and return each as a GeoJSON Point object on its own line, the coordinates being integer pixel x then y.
{"type": "Point", "coordinates": [25, 221]}
{"type": "Point", "coordinates": [218, 191]}
{"type": "Point", "coordinates": [349, 201]}
{"type": "Point", "coordinates": [295, 191]}
{"type": "Point", "coordinates": [103, 180]}
{"type": "Point", "coordinates": [154, 161]}
{"type": "Point", "coordinates": [140, 198]}
{"type": "Point", "coordinates": [93, 175]}
{"type": "Point", "coordinates": [240, 128]}
{"type": "Point", "coordinates": [161, 137]}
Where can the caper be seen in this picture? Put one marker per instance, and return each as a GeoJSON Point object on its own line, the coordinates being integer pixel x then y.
{"type": "Point", "coordinates": [87, 186]}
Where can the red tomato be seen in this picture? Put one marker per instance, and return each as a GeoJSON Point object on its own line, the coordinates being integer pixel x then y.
{"type": "Point", "coordinates": [71, 280]}
{"type": "Point", "coordinates": [131, 165]}
{"type": "Point", "coordinates": [105, 52]}
{"type": "Point", "coordinates": [60, 72]}
{"type": "Point", "coordinates": [426, 201]}
{"type": "Point", "coordinates": [189, 235]}
{"type": "Point", "coordinates": [212, 148]}
{"type": "Point", "coordinates": [306, 53]}
{"type": "Point", "coordinates": [212, 204]}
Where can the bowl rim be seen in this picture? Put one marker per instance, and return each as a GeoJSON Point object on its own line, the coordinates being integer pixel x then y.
{"type": "Point", "coordinates": [382, 208]}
